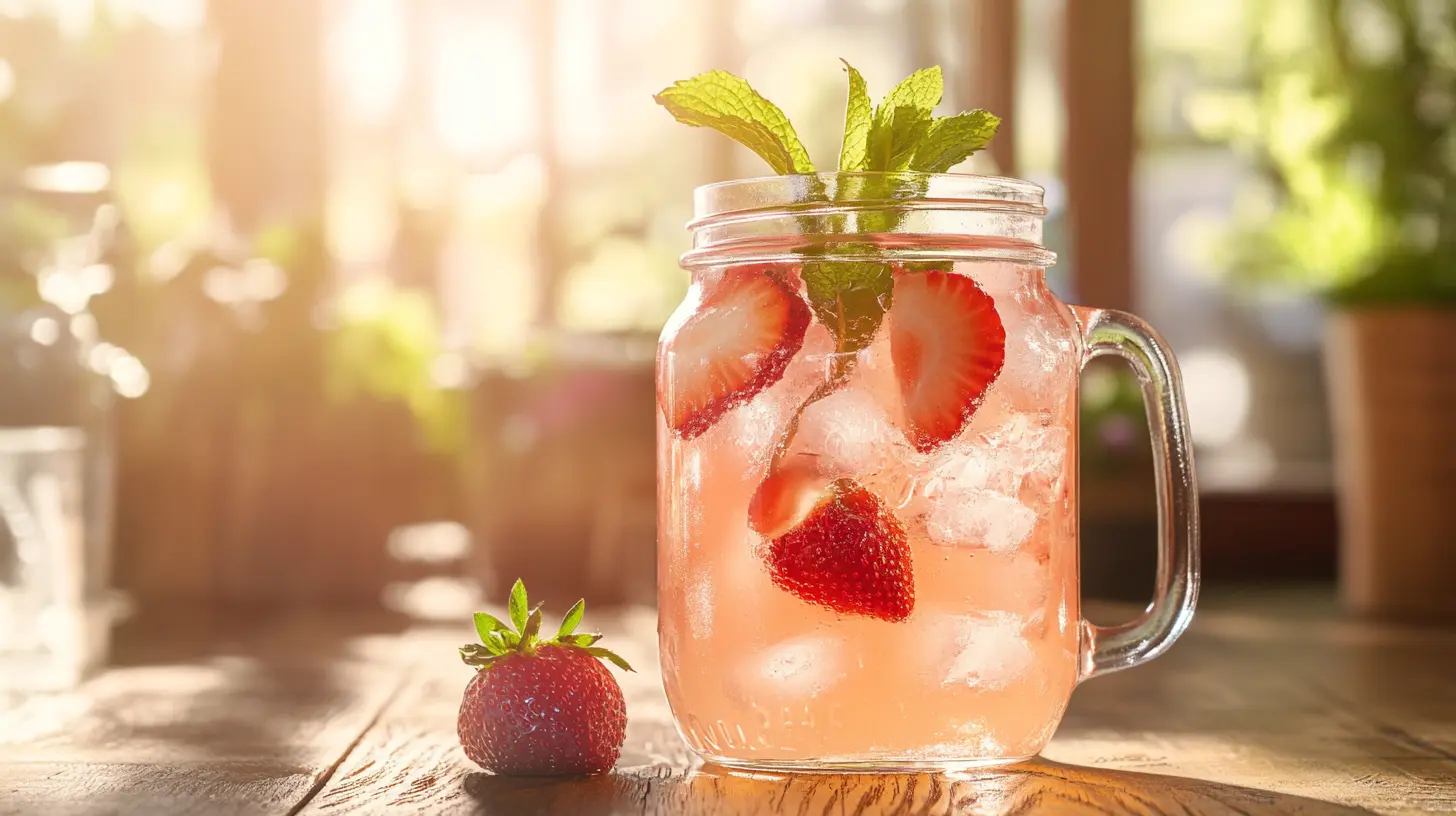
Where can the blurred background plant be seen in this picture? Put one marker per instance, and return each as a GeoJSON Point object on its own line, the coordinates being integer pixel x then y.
{"type": "Point", "coordinates": [1352, 124]}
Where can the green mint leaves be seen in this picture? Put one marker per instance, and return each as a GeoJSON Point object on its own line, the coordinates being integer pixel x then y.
{"type": "Point", "coordinates": [901, 134]}
{"type": "Point", "coordinates": [498, 640]}
{"type": "Point", "coordinates": [952, 139]}
{"type": "Point", "coordinates": [902, 120]}
{"type": "Point", "coordinates": [858, 118]}
{"type": "Point", "coordinates": [729, 105]}
{"type": "Point", "coordinates": [850, 298]}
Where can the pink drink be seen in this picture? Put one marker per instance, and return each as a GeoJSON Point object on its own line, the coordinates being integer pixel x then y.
{"type": "Point", "coordinates": [981, 670]}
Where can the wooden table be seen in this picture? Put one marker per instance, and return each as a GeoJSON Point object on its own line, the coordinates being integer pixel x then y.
{"type": "Point", "coordinates": [1271, 704]}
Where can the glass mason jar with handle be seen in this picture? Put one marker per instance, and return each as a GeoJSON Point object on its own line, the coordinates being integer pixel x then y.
{"type": "Point", "coordinates": [867, 425]}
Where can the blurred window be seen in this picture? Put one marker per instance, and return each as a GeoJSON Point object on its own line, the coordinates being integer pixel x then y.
{"type": "Point", "coordinates": [1250, 359]}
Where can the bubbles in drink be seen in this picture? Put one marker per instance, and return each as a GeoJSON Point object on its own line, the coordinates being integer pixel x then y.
{"type": "Point", "coordinates": [699, 602]}
{"type": "Point", "coordinates": [977, 668]}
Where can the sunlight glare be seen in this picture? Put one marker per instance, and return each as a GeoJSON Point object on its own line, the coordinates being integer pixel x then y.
{"type": "Point", "coordinates": [481, 87]}
{"type": "Point", "coordinates": [579, 95]}
{"type": "Point", "coordinates": [1219, 395]}
{"type": "Point", "coordinates": [368, 56]}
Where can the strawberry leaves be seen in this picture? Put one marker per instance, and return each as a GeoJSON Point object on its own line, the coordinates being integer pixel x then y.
{"type": "Point", "coordinates": [517, 604]}
{"type": "Point", "coordinates": [487, 624]}
{"type": "Point", "coordinates": [499, 641]}
{"type": "Point", "coordinates": [572, 619]}
{"type": "Point", "coordinates": [616, 660]}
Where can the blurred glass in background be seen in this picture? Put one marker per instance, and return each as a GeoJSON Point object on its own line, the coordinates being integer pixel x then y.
{"type": "Point", "coordinates": [57, 438]}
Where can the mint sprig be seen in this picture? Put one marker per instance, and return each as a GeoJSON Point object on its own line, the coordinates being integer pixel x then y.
{"type": "Point", "coordinates": [902, 120]}
{"type": "Point", "coordinates": [900, 134]}
{"type": "Point", "coordinates": [498, 641]}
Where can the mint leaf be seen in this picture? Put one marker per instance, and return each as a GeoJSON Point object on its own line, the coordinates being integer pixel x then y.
{"type": "Point", "coordinates": [517, 604]}
{"type": "Point", "coordinates": [729, 105]}
{"type": "Point", "coordinates": [921, 89]}
{"type": "Point", "coordinates": [953, 138]}
{"type": "Point", "coordinates": [572, 619]}
{"type": "Point", "coordinates": [895, 136]}
{"type": "Point", "coordinates": [902, 120]}
{"type": "Point", "coordinates": [850, 298]}
{"type": "Point", "coordinates": [858, 116]}
{"type": "Point", "coordinates": [485, 623]}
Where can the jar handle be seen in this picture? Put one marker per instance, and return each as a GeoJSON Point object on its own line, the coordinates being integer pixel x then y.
{"type": "Point", "coordinates": [1111, 648]}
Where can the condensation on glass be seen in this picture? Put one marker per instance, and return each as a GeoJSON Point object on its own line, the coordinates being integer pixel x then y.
{"type": "Point", "coordinates": [976, 663]}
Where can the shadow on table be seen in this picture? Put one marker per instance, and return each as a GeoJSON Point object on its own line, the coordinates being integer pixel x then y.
{"type": "Point", "coordinates": [1039, 786]}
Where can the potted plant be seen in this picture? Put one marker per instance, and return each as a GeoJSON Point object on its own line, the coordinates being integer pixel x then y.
{"type": "Point", "coordinates": [1352, 121]}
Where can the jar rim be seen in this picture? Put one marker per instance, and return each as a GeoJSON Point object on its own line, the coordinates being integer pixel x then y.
{"type": "Point", "coordinates": [738, 198]}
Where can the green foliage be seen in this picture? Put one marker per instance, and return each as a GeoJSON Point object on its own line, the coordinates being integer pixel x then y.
{"type": "Point", "coordinates": [384, 346]}
{"type": "Point", "coordinates": [1352, 119]}
{"type": "Point", "coordinates": [498, 641]}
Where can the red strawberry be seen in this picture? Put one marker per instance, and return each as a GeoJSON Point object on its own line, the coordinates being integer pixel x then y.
{"type": "Point", "coordinates": [736, 343]}
{"type": "Point", "coordinates": [540, 707]}
{"type": "Point", "coordinates": [849, 554]}
{"type": "Point", "coordinates": [787, 494]}
{"type": "Point", "coordinates": [948, 345]}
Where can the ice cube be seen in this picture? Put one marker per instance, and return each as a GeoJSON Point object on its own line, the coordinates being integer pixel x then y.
{"type": "Point", "coordinates": [797, 668]}
{"type": "Point", "coordinates": [1030, 445]}
{"type": "Point", "coordinates": [851, 433]}
{"type": "Point", "coordinates": [1041, 355]}
{"type": "Point", "coordinates": [1017, 582]}
{"type": "Point", "coordinates": [979, 518]}
{"type": "Point", "coordinates": [988, 650]}
{"type": "Point", "coordinates": [1003, 457]}
{"type": "Point", "coordinates": [757, 423]}
{"type": "Point", "coordinates": [974, 466]}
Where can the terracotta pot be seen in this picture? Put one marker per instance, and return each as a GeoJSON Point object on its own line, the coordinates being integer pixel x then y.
{"type": "Point", "coordinates": [1392, 386]}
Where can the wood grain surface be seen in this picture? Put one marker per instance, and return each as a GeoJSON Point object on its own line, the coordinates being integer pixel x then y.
{"type": "Point", "coordinates": [1270, 705]}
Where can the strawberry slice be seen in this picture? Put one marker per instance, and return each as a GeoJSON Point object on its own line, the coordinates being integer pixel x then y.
{"type": "Point", "coordinates": [786, 495]}
{"type": "Point", "coordinates": [948, 345]}
{"type": "Point", "coordinates": [849, 554]}
{"type": "Point", "coordinates": [736, 343]}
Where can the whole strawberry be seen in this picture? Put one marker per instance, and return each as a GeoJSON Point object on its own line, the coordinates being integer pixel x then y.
{"type": "Point", "coordinates": [540, 707]}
